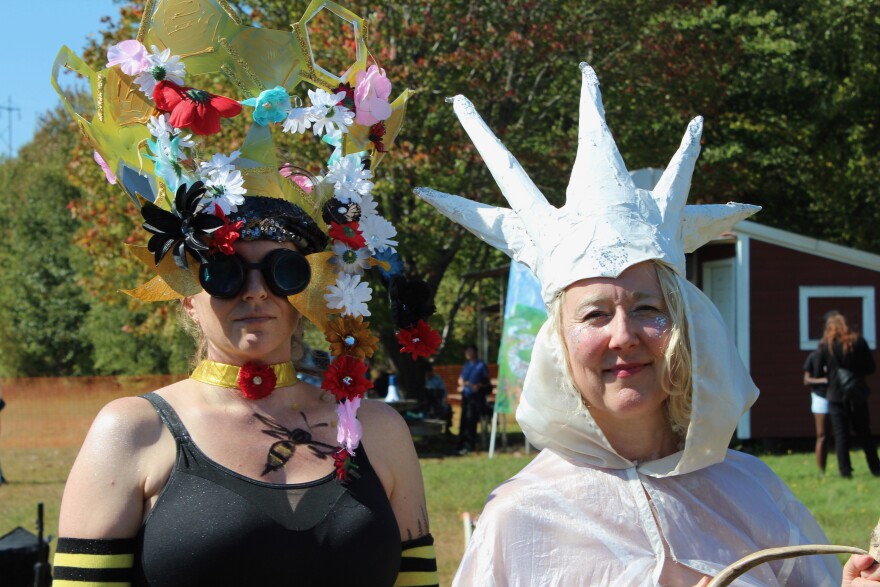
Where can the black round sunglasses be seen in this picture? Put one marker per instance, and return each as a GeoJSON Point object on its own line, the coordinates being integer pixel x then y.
{"type": "Point", "coordinates": [286, 273]}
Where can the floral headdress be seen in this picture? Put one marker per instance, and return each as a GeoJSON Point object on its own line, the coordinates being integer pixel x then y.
{"type": "Point", "coordinates": [149, 115]}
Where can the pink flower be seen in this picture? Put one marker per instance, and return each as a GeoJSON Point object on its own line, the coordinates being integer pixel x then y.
{"type": "Point", "coordinates": [130, 55]}
{"type": "Point", "coordinates": [292, 173]}
{"type": "Point", "coordinates": [108, 173]}
{"type": "Point", "coordinates": [371, 93]}
{"type": "Point", "coordinates": [349, 430]}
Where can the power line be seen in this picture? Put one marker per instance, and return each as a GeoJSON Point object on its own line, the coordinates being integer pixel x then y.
{"type": "Point", "coordinates": [10, 109]}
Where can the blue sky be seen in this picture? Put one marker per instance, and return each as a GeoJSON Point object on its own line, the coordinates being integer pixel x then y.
{"type": "Point", "coordinates": [31, 32]}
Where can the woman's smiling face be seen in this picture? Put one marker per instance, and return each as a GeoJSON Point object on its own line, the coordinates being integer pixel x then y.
{"type": "Point", "coordinates": [615, 333]}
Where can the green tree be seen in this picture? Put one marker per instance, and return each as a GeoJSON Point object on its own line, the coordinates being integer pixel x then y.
{"type": "Point", "coordinates": [788, 91]}
{"type": "Point", "coordinates": [42, 302]}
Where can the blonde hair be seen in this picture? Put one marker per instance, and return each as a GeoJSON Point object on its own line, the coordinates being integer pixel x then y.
{"type": "Point", "coordinates": [675, 369]}
{"type": "Point", "coordinates": [837, 330]}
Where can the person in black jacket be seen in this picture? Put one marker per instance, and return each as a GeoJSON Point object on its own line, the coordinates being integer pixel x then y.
{"type": "Point", "coordinates": [817, 379]}
{"type": "Point", "coordinates": [844, 348]}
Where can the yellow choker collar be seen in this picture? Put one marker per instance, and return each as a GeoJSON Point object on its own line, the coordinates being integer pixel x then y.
{"type": "Point", "coordinates": [253, 380]}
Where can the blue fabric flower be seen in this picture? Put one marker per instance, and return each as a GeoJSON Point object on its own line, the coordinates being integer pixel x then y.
{"type": "Point", "coordinates": [166, 157]}
{"type": "Point", "coordinates": [391, 257]}
{"type": "Point", "coordinates": [334, 139]}
{"type": "Point", "coordinates": [270, 106]}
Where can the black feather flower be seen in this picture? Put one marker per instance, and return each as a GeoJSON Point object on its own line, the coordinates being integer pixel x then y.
{"type": "Point", "coordinates": [183, 229]}
{"type": "Point", "coordinates": [410, 301]}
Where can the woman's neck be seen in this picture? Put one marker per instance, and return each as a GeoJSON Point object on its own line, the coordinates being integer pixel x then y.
{"type": "Point", "coordinates": [640, 439]}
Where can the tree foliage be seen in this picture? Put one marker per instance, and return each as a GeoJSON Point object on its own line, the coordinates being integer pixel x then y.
{"type": "Point", "coordinates": [42, 301]}
{"type": "Point", "coordinates": [787, 88]}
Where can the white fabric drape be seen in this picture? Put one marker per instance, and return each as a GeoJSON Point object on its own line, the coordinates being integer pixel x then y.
{"type": "Point", "coordinates": [581, 514]}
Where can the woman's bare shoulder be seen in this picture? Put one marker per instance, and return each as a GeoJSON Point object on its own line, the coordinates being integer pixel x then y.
{"type": "Point", "coordinates": [124, 424]}
{"type": "Point", "coordinates": [382, 421]}
{"type": "Point", "coordinates": [125, 454]}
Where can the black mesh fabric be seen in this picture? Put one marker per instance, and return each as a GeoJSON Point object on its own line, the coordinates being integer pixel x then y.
{"type": "Point", "coordinates": [212, 526]}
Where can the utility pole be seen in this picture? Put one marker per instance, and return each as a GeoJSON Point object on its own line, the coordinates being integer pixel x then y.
{"type": "Point", "coordinates": [10, 109]}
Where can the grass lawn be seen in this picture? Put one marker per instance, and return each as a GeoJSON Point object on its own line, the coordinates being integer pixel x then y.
{"type": "Point", "coordinates": [846, 509]}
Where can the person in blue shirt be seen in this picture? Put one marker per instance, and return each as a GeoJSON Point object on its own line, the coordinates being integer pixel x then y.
{"type": "Point", "coordinates": [474, 385]}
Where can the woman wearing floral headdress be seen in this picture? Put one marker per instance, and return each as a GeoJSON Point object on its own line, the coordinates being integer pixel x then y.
{"type": "Point", "coordinates": [243, 474]}
{"type": "Point", "coordinates": [633, 391]}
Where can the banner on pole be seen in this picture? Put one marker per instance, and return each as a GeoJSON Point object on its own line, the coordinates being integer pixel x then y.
{"type": "Point", "coordinates": [524, 313]}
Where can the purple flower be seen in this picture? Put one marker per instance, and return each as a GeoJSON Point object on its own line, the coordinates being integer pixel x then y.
{"type": "Point", "coordinates": [371, 93]}
{"type": "Point", "coordinates": [130, 55]}
{"type": "Point", "coordinates": [349, 430]}
{"type": "Point", "coordinates": [108, 173]}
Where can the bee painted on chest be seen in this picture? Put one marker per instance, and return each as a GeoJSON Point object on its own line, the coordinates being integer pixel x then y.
{"type": "Point", "coordinates": [288, 439]}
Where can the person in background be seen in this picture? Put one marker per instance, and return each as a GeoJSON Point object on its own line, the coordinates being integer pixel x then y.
{"type": "Point", "coordinates": [816, 378]}
{"type": "Point", "coordinates": [842, 347]}
{"type": "Point", "coordinates": [473, 384]}
{"type": "Point", "coordinates": [436, 405]}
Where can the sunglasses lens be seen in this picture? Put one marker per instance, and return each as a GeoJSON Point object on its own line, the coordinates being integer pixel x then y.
{"type": "Point", "coordinates": [222, 276]}
{"type": "Point", "coordinates": [288, 272]}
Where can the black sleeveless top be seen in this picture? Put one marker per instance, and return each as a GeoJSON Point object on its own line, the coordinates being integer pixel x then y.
{"type": "Point", "coordinates": [213, 526]}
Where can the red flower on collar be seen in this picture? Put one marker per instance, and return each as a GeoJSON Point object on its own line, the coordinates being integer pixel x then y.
{"type": "Point", "coordinates": [195, 109]}
{"type": "Point", "coordinates": [256, 381]}
{"type": "Point", "coordinates": [421, 340]}
{"type": "Point", "coordinates": [348, 233]}
{"type": "Point", "coordinates": [345, 379]}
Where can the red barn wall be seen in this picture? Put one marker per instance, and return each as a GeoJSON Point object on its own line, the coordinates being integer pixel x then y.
{"type": "Point", "coordinates": [783, 409]}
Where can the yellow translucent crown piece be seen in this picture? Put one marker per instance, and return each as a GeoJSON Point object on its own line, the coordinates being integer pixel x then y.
{"type": "Point", "coordinates": [211, 40]}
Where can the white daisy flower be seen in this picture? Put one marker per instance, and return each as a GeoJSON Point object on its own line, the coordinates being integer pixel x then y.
{"type": "Point", "coordinates": [352, 261]}
{"type": "Point", "coordinates": [226, 189]}
{"type": "Point", "coordinates": [162, 66]}
{"type": "Point", "coordinates": [350, 295]}
{"type": "Point", "coordinates": [327, 114]}
{"type": "Point", "coordinates": [160, 128]}
{"type": "Point", "coordinates": [368, 205]}
{"type": "Point", "coordinates": [350, 181]}
{"type": "Point", "coordinates": [219, 162]}
{"type": "Point", "coordinates": [298, 120]}
{"type": "Point", "coordinates": [378, 232]}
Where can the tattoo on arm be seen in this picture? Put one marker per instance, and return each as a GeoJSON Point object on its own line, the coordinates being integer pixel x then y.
{"type": "Point", "coordinates": [421, 523]}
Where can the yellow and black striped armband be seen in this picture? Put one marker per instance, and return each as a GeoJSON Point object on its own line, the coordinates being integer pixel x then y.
{"type": "Point", "coordinates": [418, 564]}
{"type": "Point", "coordinates": [86, 562]}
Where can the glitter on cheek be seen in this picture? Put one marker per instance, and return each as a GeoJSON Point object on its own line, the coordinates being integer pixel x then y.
{"type": "Point", "coordinates": [658, 326]}
{"type": "Point", "coordinates": [584, 334]}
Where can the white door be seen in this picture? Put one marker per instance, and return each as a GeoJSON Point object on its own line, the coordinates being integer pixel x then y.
{"type": "Point", "coordinates": [719, 285]}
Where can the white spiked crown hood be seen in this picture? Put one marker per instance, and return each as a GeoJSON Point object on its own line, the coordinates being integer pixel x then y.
{"type": "Point", "coordinates": [607, 224]}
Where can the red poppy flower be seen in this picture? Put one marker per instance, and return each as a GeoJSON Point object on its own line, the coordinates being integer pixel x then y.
{"type": "Point", "coordinates": [345, 379]}
{"type": "Point", "coordinates": [421, 340]}
{"type": "Point", "coordinates": [223, 237]}
{"type": "Point", "coordinates": [377, 135]}
{"type": "Point", "coordinates": [348, 233]}
{"type": "Point", "coordinates": [256, 380]}
{"type": "Point", "coordinates": [195, 109]}
{"type": "Point", "coordinates": [343, 463]}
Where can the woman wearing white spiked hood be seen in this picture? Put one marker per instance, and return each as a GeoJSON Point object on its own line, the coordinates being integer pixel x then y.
{"type": "Point", "coordinates": [634, 388]}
